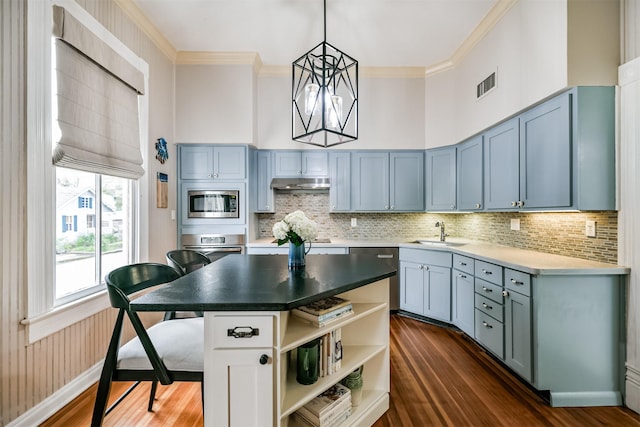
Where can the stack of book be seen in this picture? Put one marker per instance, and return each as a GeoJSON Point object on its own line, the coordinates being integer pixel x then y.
{"type": "Point", "coordinates": [330, 349]}
{"type": "Point", "coordinates": [330, 409]}
{"type": "Point", "coordinates": [325, 311]}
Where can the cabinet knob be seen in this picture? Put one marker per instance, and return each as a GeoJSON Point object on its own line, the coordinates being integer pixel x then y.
{"type": "Point", "coordinates": [487, 306]}
{"type": "Point", "coordinates": [453, 206]}
{"type": "Point", "coordinates": [520, 203]}
{"type": "Point", "coordinates": [210, 175]}
{"type": "Point", "coordinates": [215, 175]}
{"type": "Point", "coordinates": [264, 359]}
{"type": "Point", "coordinates": [392, 207]}
{"type": "Point", "coordinates": [478, 205]}
{"type": "Point", "coordinates": [486, 325]}
{"type": "Point", "coordinates": [517, 282]}
{"type": "Point", "coordinates": [505, 293]}
{"type": "Point", "coordinates": [386, 206]}
{"type": "Point", "coordinates": [484, 288]}
{"type": "Point", "coordinates": [462, 276]}
{"type": "Point", "coordinates": [333, 207]}
{"type": "Point", "coordinates": [486, 271]}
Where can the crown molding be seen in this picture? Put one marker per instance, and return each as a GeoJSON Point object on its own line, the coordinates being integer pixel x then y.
{"type": "Point", "coordinates": [497, 12]}
{"type": "Point", "coordinates": [141, 21]}
{"type": "Point", "coordinates": [219, 58]}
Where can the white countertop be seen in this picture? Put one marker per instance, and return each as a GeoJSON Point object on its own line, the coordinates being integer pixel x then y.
{"type": "Point", "coordinates": [532, 262]}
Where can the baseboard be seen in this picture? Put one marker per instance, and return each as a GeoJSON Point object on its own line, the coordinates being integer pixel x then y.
{"type": "Point", "coordinates": [52, 404]}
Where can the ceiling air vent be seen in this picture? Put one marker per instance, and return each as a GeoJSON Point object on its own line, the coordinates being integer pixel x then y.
{"type": "Point", "coordinates": [486, 86]}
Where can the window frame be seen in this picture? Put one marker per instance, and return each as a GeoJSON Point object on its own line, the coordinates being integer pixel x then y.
{"type": "Point", "coordinates": [43, 317]}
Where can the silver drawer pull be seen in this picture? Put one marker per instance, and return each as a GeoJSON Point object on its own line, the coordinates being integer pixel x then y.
{"type": "Point", "coordinates": [516, 282]}
{"type": "Point", "coordinates": [387, 256]}
{"type": "Point", "coordinates": [462, 275]}
{"type": "Point", "coordinates": [462, 263]}
{"type": "Point", "coordinates": [486, 325]}
{"type": "Point", "coordinates": [486, 272]}
{"type": "Point", "coordinates": [486, 289]}
{"type": "Point", "coordinates": [488, 307]}
{"type": "Point", "coordinates": [243, 332]}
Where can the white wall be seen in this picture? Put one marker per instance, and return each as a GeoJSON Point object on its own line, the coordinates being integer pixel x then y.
{"type": "Point", "coordinates": [214, 103]}
{"type": "Point", "coordinates": [527, 48]}
{"type": "Point", "coordinates": [391, 112]}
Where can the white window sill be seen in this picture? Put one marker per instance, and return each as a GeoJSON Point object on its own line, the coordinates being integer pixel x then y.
{"type": "Point", "coordinates": [59, 318]}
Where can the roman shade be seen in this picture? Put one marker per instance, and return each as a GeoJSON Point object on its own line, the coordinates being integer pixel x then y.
{"type": "Point", "coordinates": [96, 103]}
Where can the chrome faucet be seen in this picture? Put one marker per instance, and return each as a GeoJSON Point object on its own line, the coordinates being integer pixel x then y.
{"type": "Point", "coordinates": [442, 233]}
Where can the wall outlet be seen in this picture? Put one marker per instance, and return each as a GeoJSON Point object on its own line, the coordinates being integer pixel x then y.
{"type": "Point", "coordinates": [590, 229]}
{"type": "Point", "coordinates": [515, 224]}
{"type": "Point", "coordinates": [354, 222]}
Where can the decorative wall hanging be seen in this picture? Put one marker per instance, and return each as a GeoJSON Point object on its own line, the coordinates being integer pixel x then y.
{"type": "Point", "coordinates": [161, 148]}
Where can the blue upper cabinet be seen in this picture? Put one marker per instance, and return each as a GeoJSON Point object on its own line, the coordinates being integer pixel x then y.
{"type": "Point", "coordinates": [502, 166]}
{"type": "Point", "coordinates": [470, 175]}
{"type": "Point", "coordinates": [370, 181]}
{"type": "Point", "coordinates": [212, 162]}
{"type": "Point", "coordinates": [440, 179]}
{"type": "Point", "coordinates": [557, 155]}
{"type": "Point", "coordinates": [545, 155]}
{"type": "Point", "coordinates": [406, 183]}
{"type": "Point", "coordinates": [263, 191]}
{"type": "Point", "coordinates": [385, 181]}
{"type": "Point", "coordinates": [294, 163]}
{"type": "Point", "coordinates": [340, 176]}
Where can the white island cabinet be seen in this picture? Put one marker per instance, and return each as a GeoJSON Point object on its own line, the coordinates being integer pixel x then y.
{"type": "Point", "coordinates": [250, 380]}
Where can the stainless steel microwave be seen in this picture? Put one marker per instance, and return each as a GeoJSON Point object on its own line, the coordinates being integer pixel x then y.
{"type": "Point", "coordinates": [213, 203]}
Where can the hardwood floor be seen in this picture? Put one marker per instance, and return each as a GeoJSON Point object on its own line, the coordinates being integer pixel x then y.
{"type": "Point", "coordinates": [439, 377]}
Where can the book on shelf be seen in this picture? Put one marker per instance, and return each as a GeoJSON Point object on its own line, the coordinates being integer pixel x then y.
{"type": "Point", "coordinates": [337, 349]}
{"type": "Point", "coordinates": [324, 306]}
{"type": "Point", "coordinates": [311, 319]}
{"type": "Point", "coordinates": [325, 403]}
{"type": "Point", "coordinates": [340, 418]}
{"type": "Point", "coordinates": [328, 418]}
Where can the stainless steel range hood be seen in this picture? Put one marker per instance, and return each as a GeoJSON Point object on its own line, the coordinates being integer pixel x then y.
{"type": "Point", "coordinates": [300, 184]}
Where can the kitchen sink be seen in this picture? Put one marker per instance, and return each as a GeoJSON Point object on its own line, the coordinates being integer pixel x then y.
{"type": "Point", "coordinates": [438, 243]}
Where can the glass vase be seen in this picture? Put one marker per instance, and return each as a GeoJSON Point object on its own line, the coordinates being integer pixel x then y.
{"type": "Point", "coordinates": [296, 256]}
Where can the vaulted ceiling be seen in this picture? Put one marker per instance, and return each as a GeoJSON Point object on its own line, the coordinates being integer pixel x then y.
{"type": "Point", "coordinates": [378, 33]}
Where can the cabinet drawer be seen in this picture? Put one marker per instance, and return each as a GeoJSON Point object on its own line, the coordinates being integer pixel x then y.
{"type": "Point", "coordinates": [489, 272]}
{"type": "Point", "coordinates": [517, 281]}
{"type": "Point", "coordinates": [489, 290]}
{"type": "Point", "coordinates": [463, 263]}
{"type": "Point", "coordinates": [241, 331]}
{"type": "Point", "coordinates": [490, 307]}
{"type": "Point", "coordinates": [422, 256]}
{"type": "Point", "coordinates": [490, 333]}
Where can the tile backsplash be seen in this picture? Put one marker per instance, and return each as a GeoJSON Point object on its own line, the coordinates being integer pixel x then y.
{"type": "Point", "coordinates": [561, 233]}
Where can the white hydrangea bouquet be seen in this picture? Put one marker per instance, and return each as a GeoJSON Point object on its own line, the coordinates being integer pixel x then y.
{"type": "Point", "coordinates": [295, 228]}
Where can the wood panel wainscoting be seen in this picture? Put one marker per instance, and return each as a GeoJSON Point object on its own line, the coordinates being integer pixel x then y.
{"type": "Point", "coordinates": [439, 377]}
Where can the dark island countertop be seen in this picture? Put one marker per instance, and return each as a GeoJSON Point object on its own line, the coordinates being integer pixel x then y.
{"type": "Point", "coordinates": [263, 283]}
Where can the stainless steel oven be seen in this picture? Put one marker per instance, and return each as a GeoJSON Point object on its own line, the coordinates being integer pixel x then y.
{"type": "Point", "coordinates": [213, 204]}
{"type": "Point", "coordinates": [214, 246]}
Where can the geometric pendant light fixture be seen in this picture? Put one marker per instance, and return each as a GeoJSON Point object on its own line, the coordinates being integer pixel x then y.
{"type": "Point", "coordinates": [325, 95]}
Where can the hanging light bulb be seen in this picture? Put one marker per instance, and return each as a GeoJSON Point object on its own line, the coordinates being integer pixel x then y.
{"type": "Point", "coordinates": [311, 98]}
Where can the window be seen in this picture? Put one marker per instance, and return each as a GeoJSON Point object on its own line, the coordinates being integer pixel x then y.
{"type": "Point", "coordinates": [84, 255]}
{"type": "Point", "coordinates": [106, 211]}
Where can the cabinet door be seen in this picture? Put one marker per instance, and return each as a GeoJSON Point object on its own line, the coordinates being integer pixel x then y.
{"type": "Point", "coordinates": [229, 163]}
{"type": "Point", "coordinates": [196, 162]}
{"type": "Point", "coordinates": [412, 287]}
{"type": "Point", "coordinates": [264, 193]}
{"type": "Point", "coordinates": [287, 163]}
{"type": "Point", "coordinates": [437, 303]}
{"type": "Point", "coordinates": [314, 163]}
{"type": "Point", "coordinates": [239, 391]}
{"type": "Point", "coordinates": [406, 183]}
{"type": "Point", "coordinates": [370, 181]}
{"type": "Point", "coordinates": [545, 155]}
{"type": "Point", "coordinates": [441, 179]}
{"type": "Point", "coordinates": [470, 175]}
{"type": "Point", "coordinates": [340, 172]}
{"type": "Point", "coordinates": [462, 302]}
{"type": "Point", "coordinates": [518, 334]}
{"type": "Point", "coordinates": [501, 166]}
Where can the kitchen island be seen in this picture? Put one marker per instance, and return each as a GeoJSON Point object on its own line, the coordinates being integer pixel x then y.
{"type": "Point", "coordinates": [251, 338]}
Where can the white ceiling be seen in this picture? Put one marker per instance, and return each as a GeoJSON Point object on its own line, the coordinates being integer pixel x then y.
{"type": "Point", "coordinates": [377, 33]}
